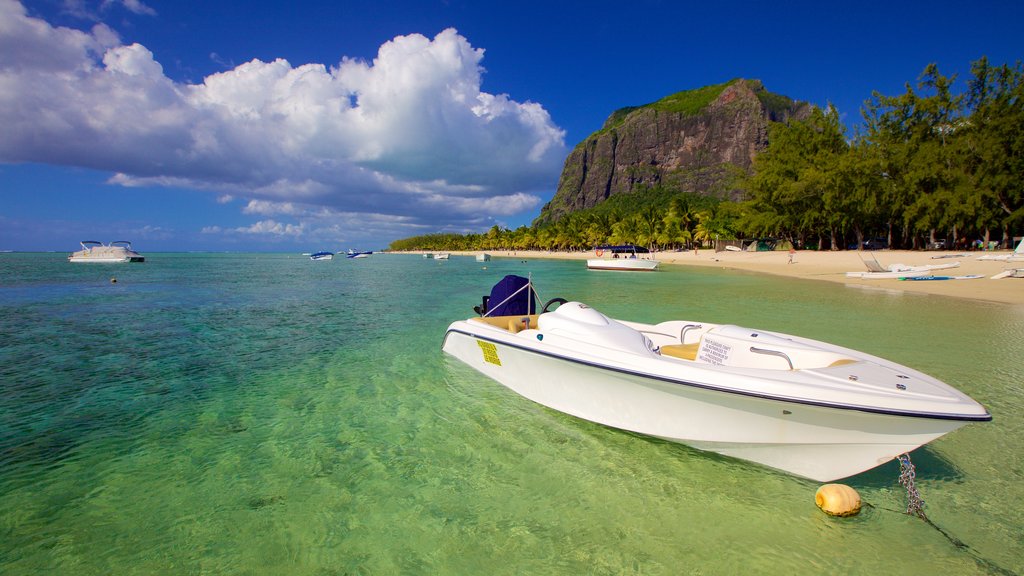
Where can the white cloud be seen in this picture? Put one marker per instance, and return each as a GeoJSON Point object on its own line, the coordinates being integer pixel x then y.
{"type": "Point", "coordinates": [410, 134]}
{"type": "Point", "coordinates": [134, 6]}
{"type": "Point", "coordinates": [266, 208]}
{"type": "Point", "coordinates": [271, 227]}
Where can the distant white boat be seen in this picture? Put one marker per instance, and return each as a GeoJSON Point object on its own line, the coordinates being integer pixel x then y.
{"type": "Point", "coordinates": [356, 254]}
{"type": "Point", "coordinates": [623, 258]}
{"type": "Point", "coordinates": [441, 256]}
{"type": "Point", "coordinates": [99, 253]}
{"type": "Point", "coordinates": [428, 255]}
{"type": "Point", "coordinates": [483, 257]}
{"type": "Point", "coordinates": [322, 256]}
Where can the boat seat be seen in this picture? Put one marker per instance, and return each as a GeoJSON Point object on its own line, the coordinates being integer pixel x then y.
{"type": "Point", "coordinates": [684, 351]}
{"type": "Point", "coordinates": [511, 323]}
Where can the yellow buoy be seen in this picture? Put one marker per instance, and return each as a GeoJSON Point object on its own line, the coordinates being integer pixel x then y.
{"type": "Point", "coordinates": [837, 500]}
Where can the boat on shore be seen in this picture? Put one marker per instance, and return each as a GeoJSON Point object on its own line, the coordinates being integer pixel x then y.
{"type": "Point", "coordinates": [806, 407]}
{"type": "Point", "coordinates": [1016, 256]}
{"type": "Point", "coordinates": [323, 255]}
{"type": "Point", "coordinates": [622, 258]}
{"type": "Point", "coordinates": [99, 253]}
{"type": "Point", "coordinates": [898, 271]}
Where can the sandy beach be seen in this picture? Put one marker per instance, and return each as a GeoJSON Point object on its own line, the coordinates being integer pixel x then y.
{"type": "Point", "coordinates": [833, 266]}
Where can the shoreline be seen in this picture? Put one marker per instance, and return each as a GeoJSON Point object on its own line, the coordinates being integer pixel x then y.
{"type": "Point", "coordinates": [833, 266]}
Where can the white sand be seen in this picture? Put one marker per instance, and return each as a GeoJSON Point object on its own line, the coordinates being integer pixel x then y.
{"type": "Point", "coordinates": [833, 266]}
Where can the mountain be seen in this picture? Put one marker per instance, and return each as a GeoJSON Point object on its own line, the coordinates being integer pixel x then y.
{"type": "Point", "coordinates": [694, 141]}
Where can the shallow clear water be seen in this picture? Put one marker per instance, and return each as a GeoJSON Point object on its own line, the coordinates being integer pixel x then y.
{"type": "Point", "coordinates": [265, 414]}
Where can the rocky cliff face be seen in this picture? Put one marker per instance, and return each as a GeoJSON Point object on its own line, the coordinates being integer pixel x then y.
{"type": "Point", "coordinates": [696, 141]}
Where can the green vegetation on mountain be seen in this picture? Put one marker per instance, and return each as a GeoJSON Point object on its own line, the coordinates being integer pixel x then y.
{"type": "Point", "coordinates": [929, 164]}
{"type": "Point", "coordinates": [688, 102]}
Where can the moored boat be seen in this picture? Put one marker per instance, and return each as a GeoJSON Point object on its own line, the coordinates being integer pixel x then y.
{"type": "Point", "coordinates": [323, 255]}
{"type": "Point", "coordinates": [807, 407]}
{"type": "Point", "coordinates": [100, 253]}
{"type": "Point", "coordinates": [622, 258]}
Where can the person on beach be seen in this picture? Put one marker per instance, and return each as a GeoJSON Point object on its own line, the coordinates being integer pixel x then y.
{"type": "Point", "coordinates": [792, 253]}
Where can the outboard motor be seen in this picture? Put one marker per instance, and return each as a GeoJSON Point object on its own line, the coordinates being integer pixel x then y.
{"type": "Point", "coordinates": [522, 303]}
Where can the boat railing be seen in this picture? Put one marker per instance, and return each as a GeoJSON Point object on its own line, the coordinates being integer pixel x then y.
{"type": "Point", "coordinates": [778, 353]}
{"type": "Point", "coordinates": [687, 328]}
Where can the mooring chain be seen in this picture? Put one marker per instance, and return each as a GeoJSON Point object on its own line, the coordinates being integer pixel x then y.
{"type": "Point", "coordinates": [915, 505]}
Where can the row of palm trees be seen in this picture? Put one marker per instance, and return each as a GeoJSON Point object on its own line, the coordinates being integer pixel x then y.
{"type": "Point", "coordinates": [682, 225]}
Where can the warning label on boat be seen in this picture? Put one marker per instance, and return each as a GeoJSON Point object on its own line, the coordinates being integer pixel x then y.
{"type": "Point", "coordinates": [714, 352]}
{"type": "Point", "coordinates": [490, 352]}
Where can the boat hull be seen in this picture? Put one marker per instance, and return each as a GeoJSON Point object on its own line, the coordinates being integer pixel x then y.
{"type": "Point", "coordinates": [105, 260]}
{"type": "Point", "coordinates": [622, 264]}
{"type": "Point", "coordinates": [819, 442]}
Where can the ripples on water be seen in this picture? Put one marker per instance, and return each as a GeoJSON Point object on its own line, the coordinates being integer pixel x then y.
{"type": "Point", "coordinates": [269, 414]}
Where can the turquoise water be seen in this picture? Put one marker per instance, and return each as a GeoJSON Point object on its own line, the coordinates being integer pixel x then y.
{"type": "Point", "coordinates": [265, 414]}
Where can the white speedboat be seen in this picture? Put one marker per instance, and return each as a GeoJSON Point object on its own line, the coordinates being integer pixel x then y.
{"type": "Point", "coordinates": [441, 256]}
{"type": "Point", "coordinates": [100, 253]}
{"type": "Point", "coordinates": [806, 407]}
{"type": "Point", "coordinates": [356, 254]}
{"type": "Point", "coordinates": [322, 256]}
{"type": "Point", "coordinates": [622, 258]}
{"type": "Point", "coordinates": [483, 257]}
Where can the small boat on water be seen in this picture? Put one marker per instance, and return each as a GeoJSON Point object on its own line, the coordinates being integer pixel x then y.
{"type": "Point", "coordinates": [99, 253]}
{"type": "Point", "coordinates": [803, 406]}
{"type": "Point", "coordinates": [483, 257]}
{"type": "Point", "coordinates": [622, 258]}
{"type": "Point", "coordinates": [441, 256]}
{"type": "Point", "coordinates": [356, 254]}
{"type": "Point", "coordinates": [323, 255]}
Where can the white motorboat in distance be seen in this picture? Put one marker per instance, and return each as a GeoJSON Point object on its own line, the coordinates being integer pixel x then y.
{"type": "Point", "coordinates": [622, 258]}
{"type": "Point", "coordinates": [322, 256]}
{"type": "Point", "coordinates": [100, 253]}
{"type": "Point", "coordinates": [357, 254]}
{"type": "Point", "coordinates": [809, 408]}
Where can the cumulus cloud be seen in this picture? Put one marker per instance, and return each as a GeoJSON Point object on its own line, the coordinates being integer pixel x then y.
{"type": "Point", "coordinates": [409, 135]}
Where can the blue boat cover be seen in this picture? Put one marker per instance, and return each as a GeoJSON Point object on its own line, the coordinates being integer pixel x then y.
{"type": "Point", "coordinates": [521, 304]}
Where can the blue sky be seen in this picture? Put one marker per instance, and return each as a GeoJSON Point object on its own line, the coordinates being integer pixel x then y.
{"type": "Point", "coordinates": [299, 126]}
